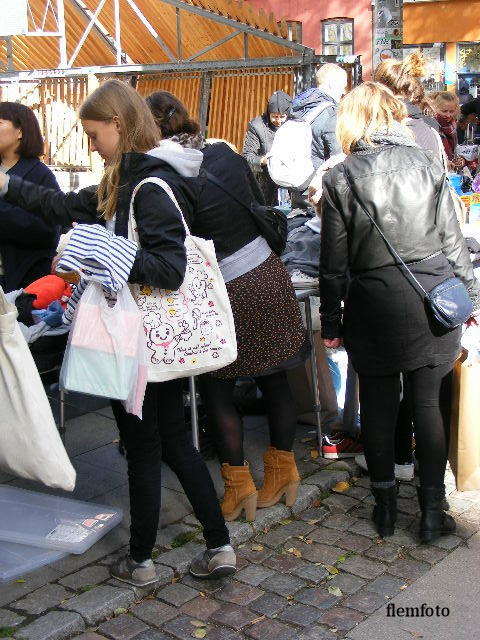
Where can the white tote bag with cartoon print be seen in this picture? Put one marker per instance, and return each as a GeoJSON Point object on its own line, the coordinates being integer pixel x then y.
{"type": "Point", "coordinates": [189, 331]}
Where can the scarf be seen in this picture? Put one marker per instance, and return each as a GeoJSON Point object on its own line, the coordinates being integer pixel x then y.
{"type": "Point", "coordinates": [188, 140]}
{"type": "Point", "coordinates": [396, 135]}
{"type": "Point", "coordinates": [448, 134]}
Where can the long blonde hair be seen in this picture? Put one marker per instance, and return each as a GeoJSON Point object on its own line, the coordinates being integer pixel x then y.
{"type": "Point", "coordinates": [403, 78]}
{"type": "Point", "coordinates": [138, 132]}
{"type": "Point", "coordinates": [364, 111]}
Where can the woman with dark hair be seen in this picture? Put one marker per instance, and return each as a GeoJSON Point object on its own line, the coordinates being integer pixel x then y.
{"type": "Point", "coordinates": [258, 142]}
{"type": "Point", "coordinates": [267, 319]}
{"type": "Point", "coordinates": [27, 242]}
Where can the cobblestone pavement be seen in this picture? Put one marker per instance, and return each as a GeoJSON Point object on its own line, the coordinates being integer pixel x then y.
{"type": "Point", "coordinates": [312, 572]}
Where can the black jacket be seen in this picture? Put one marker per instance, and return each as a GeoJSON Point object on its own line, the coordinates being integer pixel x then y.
{"type": "Point", "coordinates": [218, 217]}
{"type": "Point", "coordinates": [324, 143]}
{"type": "Point", "coordinates": [27, 242]}
{"type": "Point", "coordinates": [258, 142]}
{"type": "Point", "coordinates": [161, 260]}
{"type": "Point", "coordinates": [399, 186]}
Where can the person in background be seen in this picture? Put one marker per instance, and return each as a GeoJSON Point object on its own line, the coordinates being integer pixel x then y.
{"type": "Point", "coordinates": [27, 243]}
{"type": "Point", "coordinates": [258, 142]}
{"type": "Point", "coordinates": [447, 109]}
{"type": "Point", "coordinates": [122, 130]}
{"type": "Point", "coordinates": [385, 324]}
{"type": "Point", "coordinates": [464, 95]}
{"type": "Point", "coordinates": [268, 324]}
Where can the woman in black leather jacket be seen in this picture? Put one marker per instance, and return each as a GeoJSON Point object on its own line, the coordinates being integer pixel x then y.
{"type": "Point", "coordinates": [385, 325]}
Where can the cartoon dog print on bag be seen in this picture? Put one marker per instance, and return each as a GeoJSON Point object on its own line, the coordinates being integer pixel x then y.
{"type": "Point", "coordinates": [163, 340]}
{"type": "Point", "coordinates": [199, 285]}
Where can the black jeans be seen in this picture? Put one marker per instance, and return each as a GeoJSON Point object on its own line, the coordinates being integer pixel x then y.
{"type": "Point", "coordinates": [162, 431]}
{"type": "Point", "coordinates": [430, 395]}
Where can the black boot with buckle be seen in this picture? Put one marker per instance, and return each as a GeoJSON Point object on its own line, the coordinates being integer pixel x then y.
{"type": "Point", "coordinates": [385, 510]}
{"type": "Point", "coordinates": [434, 521]}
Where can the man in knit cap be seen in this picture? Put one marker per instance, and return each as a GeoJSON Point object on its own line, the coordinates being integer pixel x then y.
{"type": "Point", "coordinates": [259, 138]}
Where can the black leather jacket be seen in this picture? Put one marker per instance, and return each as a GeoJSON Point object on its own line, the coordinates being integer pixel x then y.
{"type": "Point", "coordinates": [399, 186]}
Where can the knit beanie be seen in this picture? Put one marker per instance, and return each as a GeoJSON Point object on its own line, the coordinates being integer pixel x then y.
{"type": "Point", "coordinates": [279, 102]}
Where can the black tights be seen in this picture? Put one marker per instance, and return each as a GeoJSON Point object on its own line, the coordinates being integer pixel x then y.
{"type": "Point", "coordinates": [217, 397]}
{"type": "Point", "coordinates": [430, 393]}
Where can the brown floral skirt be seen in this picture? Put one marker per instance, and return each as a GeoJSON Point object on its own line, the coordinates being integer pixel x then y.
{"type": "Point", "coordinates": [267, 318]}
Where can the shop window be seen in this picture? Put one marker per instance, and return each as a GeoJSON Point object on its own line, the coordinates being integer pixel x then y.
{"type": "Point", "coordinates": [337, 37]}
{"type": "Point", "coordinates": [434, 79]}
{"type": "Point", "coordinates": [468, 57]}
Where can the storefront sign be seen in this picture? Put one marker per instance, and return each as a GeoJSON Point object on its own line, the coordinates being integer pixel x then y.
{"type": "Point", "coordinates": [388, 30]}
{"type": "Point", "coordinates": [14, 20]}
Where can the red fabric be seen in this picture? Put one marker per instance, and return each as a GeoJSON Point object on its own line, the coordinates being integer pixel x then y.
{"type": "Point", "coordinates": [448, 134]}
{"type": "Point", "coordinates": [48, 289]}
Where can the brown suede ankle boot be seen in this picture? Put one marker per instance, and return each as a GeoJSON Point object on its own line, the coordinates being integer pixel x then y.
{"type": "Point", "coordinates": [240, 492]}
{"type": "Point", "coordinates": [280, 477]}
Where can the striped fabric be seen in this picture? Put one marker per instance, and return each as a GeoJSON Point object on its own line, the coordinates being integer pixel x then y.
{"type": "Point", "coordinates": [98, 255]}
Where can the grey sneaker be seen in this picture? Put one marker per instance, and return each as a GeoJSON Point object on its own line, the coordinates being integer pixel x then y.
{"type": "Point", "coordinates": [214, 563]}
{"type": "Point", "coordinates": [140, 574]}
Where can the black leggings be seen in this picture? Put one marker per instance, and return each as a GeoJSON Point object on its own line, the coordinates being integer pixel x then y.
{"type": "Point", "coordinates": [430, 393]}
{"type": "Point", "coordinates": [162, 431]}
{"type": "Point", "coordinates": [217, 397]}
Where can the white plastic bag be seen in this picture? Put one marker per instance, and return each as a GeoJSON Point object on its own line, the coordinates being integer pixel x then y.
{"type": "Point", "coordinates": [105, 355]}
{"type": "Point", "coordinates": [189, 331]}
{"type": "Point", "coordinates": [30, 446]}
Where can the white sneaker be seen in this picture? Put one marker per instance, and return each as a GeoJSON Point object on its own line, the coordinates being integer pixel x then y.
{"type": "Point", "coordinates": [403, 472]}
{"type": "Point", "coordinates": [300, 280]}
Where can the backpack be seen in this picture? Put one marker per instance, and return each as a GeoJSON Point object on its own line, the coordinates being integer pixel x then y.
{"type": "Point", "coordinates": [289, 161]}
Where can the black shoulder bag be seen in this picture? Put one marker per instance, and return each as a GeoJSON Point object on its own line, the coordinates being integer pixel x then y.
{"type": "Point", "coordinates": [271, 222]}
{"type": "Point", "coordinates": [449, 301]}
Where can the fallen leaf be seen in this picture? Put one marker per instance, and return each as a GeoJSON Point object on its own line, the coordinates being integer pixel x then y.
{"type": "Point", "coordinates": [198, 623]}
{"type": "Point", "coordinates": [116, 441]}
{"type": "Point", "coordinates": [403, 587]}
{"type": "Point", "coordinates": [333, 630]}
{"type": "Point", "coordinates": [289, 597]}
{"type": "Point", "coordinates": [240, 546]}
{"type": "Point", "coordinates": [287, 521]}
{"type": "Point", "coordinates": [415, 634]}
{"type": "Point", "coordinates": [20, 581]}
{"type": "Point", "coordinates": [313, 521]}
{"type": "Point", "coordinates": [317, 503]}
{"type": "Point", "coordinates": [199, 633]}
{"type": "Point", "coordinates": [314, 453]}
{"type": "Point", "coordinates": [341, 559]}
{"type": "Point", "coordinates": [258, 620]}
{"type": "Point", "coordinates": [308, 541]}
{"type": "Point", "coordinates": [295, 552]}
{"type": "Point", "coordinates": [335, 591]}
{"type": "Point", "coordinates": [306, 439]}
{"type": "Point", "coordinates": [341, 486]}
{"type": "Point", "coordinates": [168, 546]}
{"type": "Point", "coordinates": [331, 570]}
{"type": "Point", "coordinates": [119, 611]}
{"type": "Point", "coordinates": [256, 547]}
{"type": "Point", "coordinates": [201, 594]}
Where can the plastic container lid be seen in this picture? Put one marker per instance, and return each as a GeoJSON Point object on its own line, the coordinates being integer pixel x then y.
{"type": "Point", "coordinates": [16, 560]}
{"type": "Point", "coordinates": [51, 522]}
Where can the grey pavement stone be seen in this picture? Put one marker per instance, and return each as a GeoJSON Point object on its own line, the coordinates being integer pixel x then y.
{"type": "Point", "coordinates": [233, 616]}
{"type": "Point", "coordinates": [153, 612]}
{"type": "Point", "coordinates": [11, 591]}
{"type": "Point", "coordinates": [42, 599]}
{"type": "Point", "coordinates": [316, 597]}
{"type": "Point", "coordinates": [177, 594]}
{"type": "Point", "coordinates": [257, 557]}
{"type": "Point", "coordinates": [317, 633]}
{"type": "Point", "coordinates": [448, 542]}
{"type": "Point", "coordinates": [268, 605]}
{"type": "Point", "coordinates": [404, 539]}
{"type": "Point", "coordinates": [458, 505]}
{"type": "Point", "coordinates": [239, 532]}
{"type": "Point", "coordinates": [124, 627]}
{"type": "Point", "coordinates": [408, 568]}
{"type": "Point", "coordinates": [427, 553]}
{"type": "Point", "coordinates": [282, 533]}
{"type": "Point", "coordinates": [181, 628]}
{"type": "Point", "coordinates": [347, 583]}
{"type": "Point", "coordinates": [10, 619]}
{"type": "Point", "coordinates": [222, 633]}
{"type": "Point", "coordinates": [271, 630]}
{"type": "Point", "coordinates": [167, 534]}
{"type": "Point", "coordinates": [97, 604]}
{"type": "Point", "coordinates": [205, 586]}
{"type": "Point", "coordinates": [363, 567]}
{"type": "Point", "coordinates": [325, 536]}
{"type": "Point", "coordinates": [90, 635]}
{"type": "Point", "coordinates": [326, 479]}
{"type": "Point", "coordinates": [55, 625]}
{"type": "Point", "coordinates": [300, 614]}
{"type": "Point", "coordinates": [315, 514]}
{"type": "Point", "coordinates": [152, 634]}
{"type": "Point", "coordinates": [407, 490]}
{"type": "Point", "coordinates": [179, 559]}
{"type": "Point", "coordinates": [342, 618]}
{"type": "Point", "coordinates": [87, 576]}
{"type": "Point", "coordinates": [327, 554]}
{"type": "Point", "coordinates": [270, 517]}
{"type": "Point", "coordinates": [386, 585]}
{"type": "Point", "coordinates": [283, 584]}
{"type": "Point", "coordinates": [364, 528]}
{"type": "Point", "coordinates": [339, 521]}
{"type": "Point", "coordinates": [238, 593]}
{"type": "Point", "coordinates": [363, 511]}
{"type": "Point", "coordinates": [404, 521]}
{"type": "Point", "coordinates": [311, 573]}
{"type": "Point", "coordinates": [192, 521]}
{"type": "Point", "coordinates": [307, 494]}
{"type": "Point", "coordinates": [363, 481]}
{"type": "Point", "coordinates": [358, 544]}
{"type": "Point", "coordinates": [357, 492]}
{"type": "Point", "coordinates": [384, 552]}
{"type": "Point", "coordinates": [253, 574]}
{"type": "Point", "coordinates": [200, 608]}
{"type": "Point", "coordinates": [365, 601]}
{"type": "Point", "coordinates": [339, 502]}
{"type": "Point", "coordinates": [285, 563]}
{"type": "Point", "coordinates": [408, 505]}
{"type": "Point", "coordinates": [138, 592]}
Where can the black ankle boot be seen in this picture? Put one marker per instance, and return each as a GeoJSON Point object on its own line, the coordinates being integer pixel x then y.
{"type": "Point", "coordinates": [434, 521]}
{"type": "Point", "coordinates": [385, 510]}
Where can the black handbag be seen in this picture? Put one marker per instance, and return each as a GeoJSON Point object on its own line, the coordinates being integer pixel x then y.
{"type": "Point", "coordinates": [271, 222]}
{"type": "Point", "coordinates": [449, 301]}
